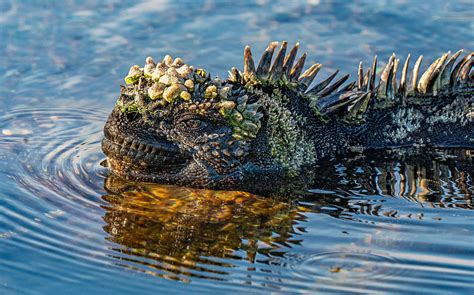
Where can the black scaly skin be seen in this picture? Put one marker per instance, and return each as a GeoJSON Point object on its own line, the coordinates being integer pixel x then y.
{"type": "Point", "coordinates": [293, 127]}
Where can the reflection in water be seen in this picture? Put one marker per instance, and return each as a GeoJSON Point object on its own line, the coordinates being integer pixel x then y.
{"type": "Point", "coordinates": [182, 229]}
{"type": "Point", "coordinates": [179, 233]}
{"type": "Point", "coordinates": [430, 178]}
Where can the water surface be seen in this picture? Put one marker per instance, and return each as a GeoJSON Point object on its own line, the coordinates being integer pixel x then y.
{"type": "Point", "coordinates": [376, 223]}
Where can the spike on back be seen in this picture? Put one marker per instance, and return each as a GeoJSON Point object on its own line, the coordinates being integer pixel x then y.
{"type": "Point", "coordinates": [403, 80]}
{"type": "Point", "coordinates": [249, 66]}
{"type": "Point", "coordinates": [384, 79]}
{"type": "Point", "coordinates": [276, 70]}
{"type": "Point", "coordinates": [445, 74]}
{"type": "Point", "coordinates": [366, 80]}
{"type": "Point", "coordinates": [466, 69]}
{"type": "Point", "coordinates": [435, 78]}
{"type": "Point", "coordinates": [414, 77]}
{"type": "Point", "coordinates": [442, 75]}
{"type": "Point", "coordinates": [334, 86]}
{"type": "Point", "coordinates": [374, 72]}
{"type": "Point", "coordinates": [394, 78]}
{"type": "Point", "coordinates": [298, 68]}
{"type": "Point", "coordinates": [308, 76]}
{"type": "Point", "coordinates": [266, 60]}
{"type": "Point", "coordinates": [457, 69]}
{"type": "Point", "coordinates": [427, 76]}
{"type": "Point", "coordinates": [289, 60]}
{"type": "Point", "coordinates": [360, 76]}
{"type": "Point", "coordinates": [324, 83]}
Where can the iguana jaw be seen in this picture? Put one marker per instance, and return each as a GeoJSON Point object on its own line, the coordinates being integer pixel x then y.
{"type": "Point", "coordinates": [147, 156]}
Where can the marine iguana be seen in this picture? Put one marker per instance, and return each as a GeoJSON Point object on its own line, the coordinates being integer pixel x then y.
{"type": "Point", "coordinates": [175, 124]}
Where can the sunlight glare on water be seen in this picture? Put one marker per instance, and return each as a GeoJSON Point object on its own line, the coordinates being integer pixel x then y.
{"type": "Point", "coordinates": [372, 224]}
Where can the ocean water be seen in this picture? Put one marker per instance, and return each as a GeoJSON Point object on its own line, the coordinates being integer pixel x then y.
{"type": "Point", "coordinates": [67, 226]}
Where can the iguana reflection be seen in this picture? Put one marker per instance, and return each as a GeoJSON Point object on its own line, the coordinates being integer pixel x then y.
{"type": "Point", "coordinates": [183, 229]}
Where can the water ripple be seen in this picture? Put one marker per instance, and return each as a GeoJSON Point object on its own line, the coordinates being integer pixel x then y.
{"type": "Point", "coordinates": [49, 125]}
{"type": "Point", "coordinates": [57, 153]}
{"type": "Point", "coordinates": [53, 161]}
{"type": "Point", "coordinates": [344, 266]}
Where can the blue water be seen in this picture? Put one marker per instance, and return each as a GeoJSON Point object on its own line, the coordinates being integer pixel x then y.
{"type": "Point", "coordinates": [68, 227]}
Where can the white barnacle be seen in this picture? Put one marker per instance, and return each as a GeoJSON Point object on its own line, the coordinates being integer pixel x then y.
{"type": "Point", "coordinates": [184, 71]}
{"type": "Point", "coordinates": [227, 104]}
{"type": "Point", "coordinates": [189, 84]}
{"type": "Point", "coordinates": [224, 91]}
{"type": "Point", "coordinates": [185, 95]}
{"type": "Point", "coordinates": [149, 67]}
{"type": "Point", "coordinates": [174, 76]}
{"type": "Point", "coordinates": [156, 90]}
{"type": "Point", "coordinates": [159, 71]}
{"type": "Point", "coordinates": [168, 60]}
{"type": "Point", "coordinates": [210, 92]}
{"type": "Point", "coordinates": [134, 74]}
{"type": "Point", "coordinates": [172, 92]}
{"type": "Point", "coordinates": [165, 79]}
{"type": "Point", "coordinates": [178, 62]}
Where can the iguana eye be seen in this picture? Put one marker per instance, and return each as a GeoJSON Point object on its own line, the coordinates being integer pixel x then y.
{"type": "Point", "coordinates": [195, 124]}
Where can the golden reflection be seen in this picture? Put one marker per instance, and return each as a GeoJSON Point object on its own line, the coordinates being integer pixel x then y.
{"type": "Point", "coordinates": [173, 231]}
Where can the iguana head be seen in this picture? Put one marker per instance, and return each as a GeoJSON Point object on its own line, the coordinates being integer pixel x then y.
{"type": "Point", "coordinates": [175, 124]}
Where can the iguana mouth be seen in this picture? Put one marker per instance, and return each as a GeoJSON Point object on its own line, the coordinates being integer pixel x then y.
{"type": "Point", "coordinates": [160, 154]}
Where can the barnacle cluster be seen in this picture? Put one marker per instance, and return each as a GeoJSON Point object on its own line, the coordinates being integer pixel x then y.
{"type": "Point", "coordinates": [173, 84]}
{"type": "Point", "coordinates": [168, 80]}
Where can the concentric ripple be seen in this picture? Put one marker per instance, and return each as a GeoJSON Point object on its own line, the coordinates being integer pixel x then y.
{"type": "Point", "coordinates": [51, 188]}
{"type": "Point", "coordinates": [55, 151]}
{"type": "Point", "coordinates": [49, 125]}
{"type": "Point", "coordinates": [345, 270]}
{"type": "Point", "coordinates": [344, 266]}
